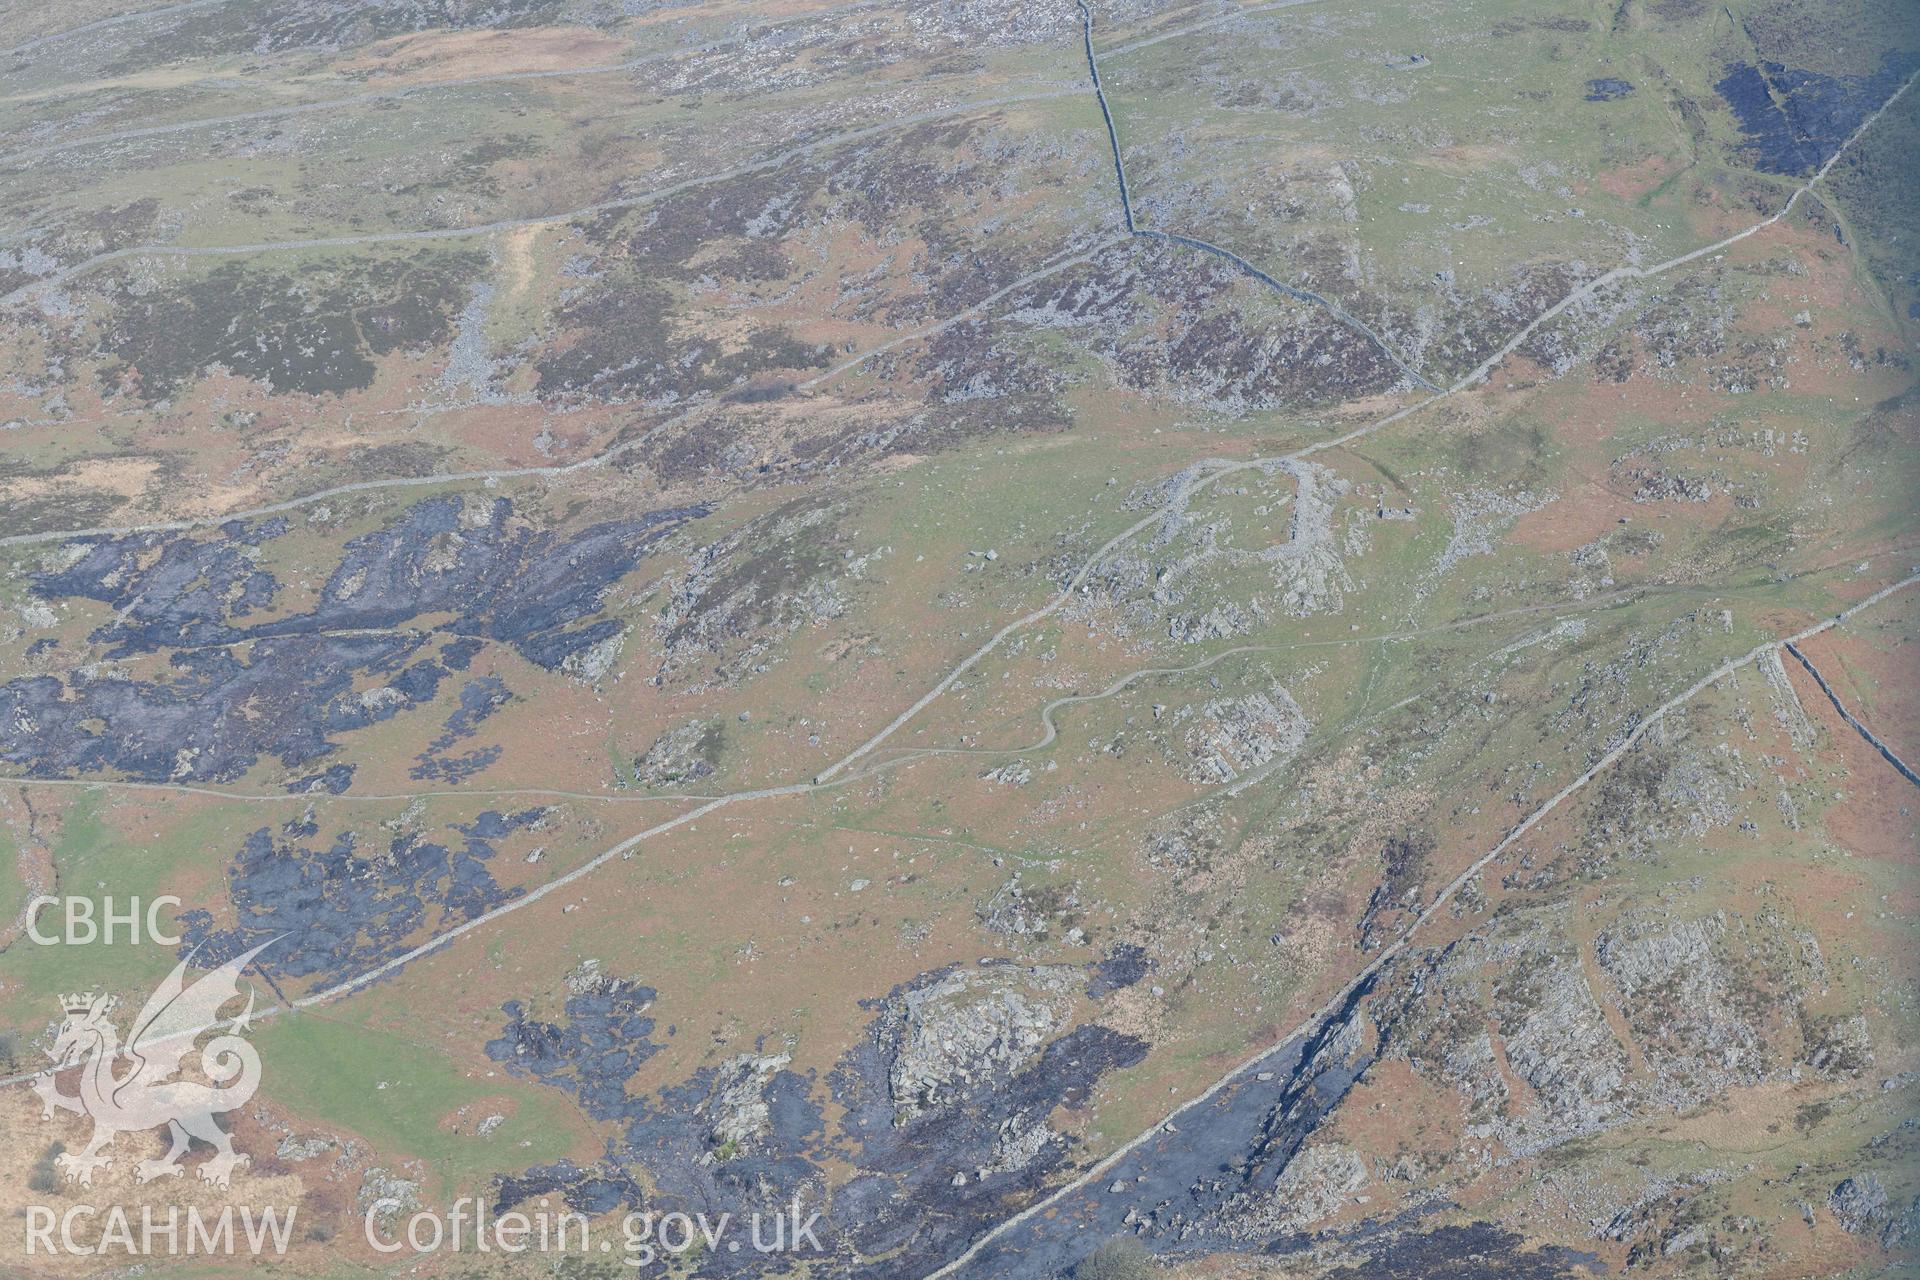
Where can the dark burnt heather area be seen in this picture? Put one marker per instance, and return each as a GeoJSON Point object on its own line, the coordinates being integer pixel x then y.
{"type": "Point", "coordinates": [1474, 1251]}
{"type": "Point", "coordinates": [690, 1138]}
{"type": "Point", "coordinates": [286, 687]}
{"type": "Point", "coordinates": [748, 1134]}
{"type": "Point", "coordinates": [479, 699]}
{"type": "Point", "coordinates": [907, 1201]}
{"type": "Point", "coordinates": [1122, 967]}
{"type": "Point", "coordinates": [334, 780]}
{"type": "Point", "coordinates": [1211, 1181]}
{"type": "Point", "coordinates": [599, 1189]}
{"type": "Point", "coordinates": [340, 910]}
{"type": "Point", "coordinates": [501, 579]}
{"type": "Point", "coordinates": [215, 715]}
{"type": "Point", "coordinates": [185, 595]}
{"type": "Point", "coordinates": [605, 1038]}
{"type": "Point", "coordinates": [1205, 1182]}
{"type": "Point", "coordinates": [1794, 119]}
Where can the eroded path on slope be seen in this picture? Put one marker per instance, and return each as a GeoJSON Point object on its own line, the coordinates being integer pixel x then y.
{"type": "Point", "coordinates": [1025, 1243]}
{"type": "Point", "coordinates": [1282, 1091]}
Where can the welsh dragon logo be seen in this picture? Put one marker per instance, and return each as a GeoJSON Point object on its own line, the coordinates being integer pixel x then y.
{"type": "Point", "coordinates": [134, 1087]}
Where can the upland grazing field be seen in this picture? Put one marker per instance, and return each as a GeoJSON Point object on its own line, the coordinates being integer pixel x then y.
{"type": "Point", "coordinates": [1038, 639]}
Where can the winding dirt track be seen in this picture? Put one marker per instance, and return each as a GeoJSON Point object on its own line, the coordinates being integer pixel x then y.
{"type": "Point", "coordinates": [1207, 472]}
{"type": "Point", "coordinates": [1401, 942]}
{"type": "Point", "coordinates": [637, 200]}
{"type": "Point", "coordinates": [139, 15]}
{"type": "Point", "coordinates": [26, 154]}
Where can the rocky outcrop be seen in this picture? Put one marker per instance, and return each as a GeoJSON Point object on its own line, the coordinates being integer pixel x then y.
{"type": "Point", "coordinates": [740, 1110]}
{"type": "Point", "coordinates": [1859, 1204]}
{"type": "Point", "coordinates": [972, 1029]}
{"type": "Point", "coordinates": [748, 591]}
{"type": "Point", "coordinates": [1238, 735]}
{"type": "Point", "coordinates": [1318, 1183]}
{"type": "Point", "coordinates": [680, 756]}
{"type": "Point", "coordinates": [1520, 980]}
{"type": "Point", "coordinates": [1679, 994]}
{"type": "Point", "coordinates": [1018, 911]}
{"type": "Point", "coordinates": [1862, 1205]}
{"type": "Point", "coordinates": [1307, 566]}
{"type": "Point", "coordinates": [1479, 517]}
